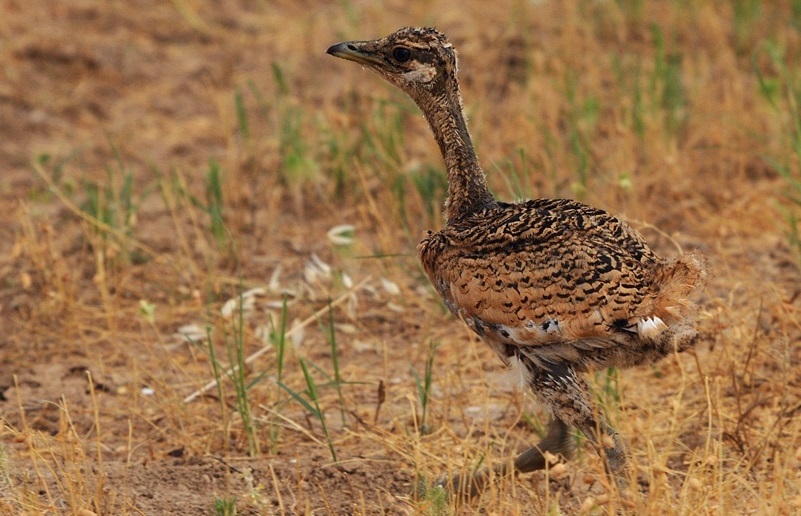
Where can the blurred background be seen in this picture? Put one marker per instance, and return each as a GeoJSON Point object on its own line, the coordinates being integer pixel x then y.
{"type": "Point", "coordinates": [185, 184]}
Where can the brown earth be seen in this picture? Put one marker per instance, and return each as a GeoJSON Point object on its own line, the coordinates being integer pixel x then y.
{"type": "Point", "coordinates": [94, 372]}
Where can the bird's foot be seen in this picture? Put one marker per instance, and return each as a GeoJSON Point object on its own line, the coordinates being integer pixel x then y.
{"type": "Point", "coordinates": [467, 485]}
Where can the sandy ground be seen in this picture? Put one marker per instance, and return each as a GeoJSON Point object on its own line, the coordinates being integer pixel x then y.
{"type": "Point", "coordinates": [91, 389]}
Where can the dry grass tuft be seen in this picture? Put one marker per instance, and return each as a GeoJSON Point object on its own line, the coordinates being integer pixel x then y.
{"type": "Point", "coordinates": [163, 160]}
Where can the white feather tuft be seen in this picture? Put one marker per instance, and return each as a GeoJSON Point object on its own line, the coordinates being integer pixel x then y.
{"type": "Point", "coordinates": [649, 327]}
{"type": "Point", "coordinates": [518, 375]}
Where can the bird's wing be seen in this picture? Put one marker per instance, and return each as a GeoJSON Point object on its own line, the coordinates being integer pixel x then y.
{"type": "Point", "coordinates": [544, 271]}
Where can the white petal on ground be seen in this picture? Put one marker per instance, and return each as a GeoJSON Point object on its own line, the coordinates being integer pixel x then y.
{"type": "Point", "coordinates": [346, 281]}
{"type": "Point", "coordinates": [192, 333]}
{"type": "Point", "coordinates": [395, 307]}
{"type": "Point", "coordinates": [390, 286]}
{"type": "Point", "coordinates": [228, 308]}
{"type": "Point", "coordinates": [347, 328]}
{"type": "Point", "coordinates": [279, 303]}
{"type": "Point", "coordinates": [363, 345]}
{"type": "Point", "coordinates": [341, 234]}
{"type": "Point", "coordinates": [297, 334]}
{"type": "Point", "coordinates": [316, 269]}
{"type": "Point", "coordinates": [274, 285]}
{"type": "Point", "coordinates": [248, 299]}
{"type": "Point", "coordinates": [324, 267]}
{"type": "Point", "coordinates": [254, 292]}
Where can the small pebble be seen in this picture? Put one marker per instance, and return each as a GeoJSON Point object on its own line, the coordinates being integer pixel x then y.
{"type": "Point", "coordinates": [587, 505]}
{"type": "Point", "coordinates": [558, 471]}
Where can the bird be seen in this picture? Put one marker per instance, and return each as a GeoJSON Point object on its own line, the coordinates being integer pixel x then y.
{"type": "Point", "coordinates": [555, 287]}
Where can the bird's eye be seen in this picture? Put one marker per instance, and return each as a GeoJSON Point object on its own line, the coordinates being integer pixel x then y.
{"type": "Point", "coordinates": [401, 54]}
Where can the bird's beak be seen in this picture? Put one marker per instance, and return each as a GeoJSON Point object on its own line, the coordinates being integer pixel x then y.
{"type": "Point", "coordinates": [357, 51]}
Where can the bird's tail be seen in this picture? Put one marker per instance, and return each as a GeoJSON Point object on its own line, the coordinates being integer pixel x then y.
{"type": "Point", "coordinates": [678, 280]}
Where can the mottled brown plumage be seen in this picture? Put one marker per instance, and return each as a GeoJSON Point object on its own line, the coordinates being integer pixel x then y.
{"type": "Point", "coordinates": [554, 287]}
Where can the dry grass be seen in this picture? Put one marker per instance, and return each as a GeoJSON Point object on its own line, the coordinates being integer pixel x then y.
{"type": "Point", "coordinates": [160, 158]}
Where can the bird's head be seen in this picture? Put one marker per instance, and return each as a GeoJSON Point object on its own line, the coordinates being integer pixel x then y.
{"type": "Point", "coordinates": [416, 60]}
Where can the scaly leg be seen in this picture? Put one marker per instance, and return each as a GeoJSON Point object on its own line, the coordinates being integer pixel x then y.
{"type": "Point", "coordinates": [556, 442]}
{"type": "Point", "coordinates": [568, 398]}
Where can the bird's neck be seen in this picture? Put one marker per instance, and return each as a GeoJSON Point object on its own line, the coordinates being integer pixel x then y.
{"type": "Point", "coordinates": [467, 184]}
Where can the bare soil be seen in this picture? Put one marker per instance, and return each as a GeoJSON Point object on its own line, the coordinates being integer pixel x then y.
{"type": "Point", "coordinates": [92, 388]}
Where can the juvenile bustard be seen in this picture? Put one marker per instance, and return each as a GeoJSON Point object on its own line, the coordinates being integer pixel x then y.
{"type": "Point", "coordinates": [555, 287]}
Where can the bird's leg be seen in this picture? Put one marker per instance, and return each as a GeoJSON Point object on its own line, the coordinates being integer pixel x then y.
{"type": "Point", "coordinates": [569, 399]}
{"type": "Point", "coordinates": [465, 485]}
{"type": "Point", "coordinates": [556, 442]}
